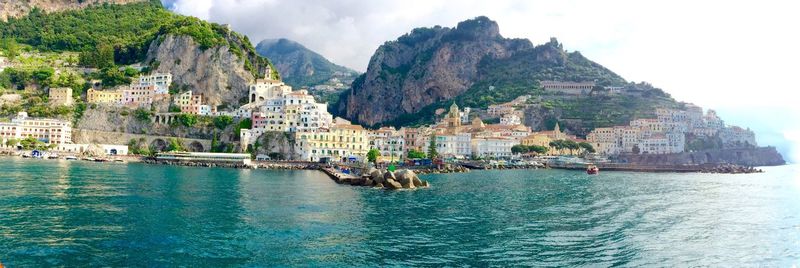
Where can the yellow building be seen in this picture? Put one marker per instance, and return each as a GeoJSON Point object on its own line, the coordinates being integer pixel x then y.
{"type": "Point", "coordinates": [104, 96]}
{"type": "Point", "coordinates": [341, 141]}
{"type": "Point", "coordinates": [60, 96]}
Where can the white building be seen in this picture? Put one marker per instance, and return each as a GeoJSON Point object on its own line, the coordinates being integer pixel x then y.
{"type": "Point", "coordinates": [275, 107]}
{"type": "Point", "coordinates": [49, 131]}
{"type": "Point", "coordinates": [510, 119]}
{"type": "Point", "coordinates": [492, 147]}
{"type": "Point", "coordinates": [389, 142]}
{"type": "Point", "coordinates": [159, 81]}
{"type": "Point", "coordinates": [737, 137]}
{"type": "Point", "coordinates": [455, 146]}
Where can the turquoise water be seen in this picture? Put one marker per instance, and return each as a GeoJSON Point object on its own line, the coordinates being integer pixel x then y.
{"type": "Point", "coordinates": [59, 213]}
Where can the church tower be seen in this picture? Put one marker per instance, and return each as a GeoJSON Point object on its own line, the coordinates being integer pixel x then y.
{"type": "Point", "coordinates": [453, 117]}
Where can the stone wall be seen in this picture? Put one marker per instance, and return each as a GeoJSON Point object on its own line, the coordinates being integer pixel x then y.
{"type": "Point", "coordinates": [106, 137]}
{"type": "Point", "coordinates": [762, 156]}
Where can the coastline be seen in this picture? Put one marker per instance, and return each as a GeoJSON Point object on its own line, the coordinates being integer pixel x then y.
{"type": "Point", "coordinates": [448, 168]}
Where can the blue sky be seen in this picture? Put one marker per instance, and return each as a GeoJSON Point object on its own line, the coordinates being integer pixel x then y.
{"type": "Point", "coordinates": [738, 57]}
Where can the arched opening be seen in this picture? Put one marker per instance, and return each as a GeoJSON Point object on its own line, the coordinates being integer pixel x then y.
{"type": "Point", "coordinates": [158, 145]}
{"type": "Point", "coordinates": [253, 97]}
{"type": "Point", "coordinates": [195, 146]}
{"type": "Point", "coordinates": [112, 152]}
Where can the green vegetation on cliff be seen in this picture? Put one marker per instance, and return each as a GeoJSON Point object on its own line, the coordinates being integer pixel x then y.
{"type": "Point", "coordinates": [128, 30]}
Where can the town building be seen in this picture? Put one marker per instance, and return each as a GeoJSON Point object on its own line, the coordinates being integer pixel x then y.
{"type": "Point", "coordinates": [737, 137]}
{"type": "Point", "coordinates": [60, 96]}
{"type": "Point", "coordinates": [49, 131]}
{"type": "Point", "coordinates": [104, 96]}
{"type": "Point", "coordinates": [457, 145]}
{"type": "Point", "coordinates": [492, 147]}
{"type": "Point", "coordinates": [510, 119]}
{"type": "Point", "coordinates": [159, 81]}
{"type": "Point", "coordinates": [190, 103]}
{"type": "Point", "coordinates": [569, 88]}
{"type": "Point", "coordinates": [341, 142]}
{"type": "Point", "coordinates": [389, 142]}
{"type": "Point", "coordinates": [500, 109]}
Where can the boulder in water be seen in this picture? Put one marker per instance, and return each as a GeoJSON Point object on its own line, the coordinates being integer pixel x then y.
{"type": "Point", "coordinates": [377, 175]}
{"type": "Point", "coordinates": [392, 184]}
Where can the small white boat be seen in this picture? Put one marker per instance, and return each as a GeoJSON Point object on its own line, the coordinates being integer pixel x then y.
{"type": "Point", "coordinates": [70, 158]}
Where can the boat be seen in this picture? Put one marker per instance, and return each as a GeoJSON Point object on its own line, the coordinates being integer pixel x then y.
{"type": "Point", "coordinates": [592, 170]}
{"type": "Point", "coordinates": [69, 157]}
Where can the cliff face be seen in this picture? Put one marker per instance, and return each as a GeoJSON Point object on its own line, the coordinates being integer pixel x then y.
{"type": "Point", "coordinates": [425, 66]}
{"type": "Point", "coordinates": [763, 156]}
{"type": "Point", "coordinates": [299, 66]}
{"type": "Point", "coordinates": [15, 8]}
{"type": "Point", "coordinates": [217, 72]}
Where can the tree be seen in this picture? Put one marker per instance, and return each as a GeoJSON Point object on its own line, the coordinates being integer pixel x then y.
{"type": "Point", "coordinates": [10, 46]}
{"type": "Point", "coordinates": [246, 123]}
{"type": "Point", "coordinates": [519, 149]}
{"type": "Point", "coordinates": [372, 155]}
{"type": "Point", "coordinates": [223, 121]}
{"type": "Point", "coordinates": [570, 145]}
{"type": "Point", "coordinates": [636, 149]}
{"type": "Point", "coordinates": [175, 144]}
{"type": "Point", "coordinates": [142, 114]}
{"type": "Point", "coordinates": [538, 149]}
{"type": "Point", "coordinates": [187, 120]}
{"type": "Point", "coordinates": [11, 142]}
{"type": "Point", "coordinates": [415, 154]}
{"type": "Point", "coordinates": [432, 154]}
{"type": "Point", "coordinates": [31, 143]}
{"type": "Point", "coordinates": [588, 147]}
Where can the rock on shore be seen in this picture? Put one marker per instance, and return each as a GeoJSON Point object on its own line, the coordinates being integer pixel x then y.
{"type": "Point", "coordinates": [401, 179]}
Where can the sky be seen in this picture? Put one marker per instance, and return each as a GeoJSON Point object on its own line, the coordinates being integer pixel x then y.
{"type": "Point", "coordinates": [737, 57]}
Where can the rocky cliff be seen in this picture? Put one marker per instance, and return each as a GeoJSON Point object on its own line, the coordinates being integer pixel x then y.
{"type": "Point", "coordinates": [300, 66]}
{"type": "Point", "coordinates": [220, 73]}
{"type": "Point", "coordinates": [15, 8]}
{"type": "Point", "coordinates": [472, 64]}
{"type": "Point", "coordinates": [763, 156]}
{"type": "Point", "coordinates": [425, 66]}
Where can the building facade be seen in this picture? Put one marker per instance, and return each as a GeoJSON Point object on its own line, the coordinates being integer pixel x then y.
{"type": "Point", "coordinates": [60, 96]}
{"type": "Point", "coordinates": [49, 131]}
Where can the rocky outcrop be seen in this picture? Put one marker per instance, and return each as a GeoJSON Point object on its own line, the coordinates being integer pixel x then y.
{"type": "Point", "coordinates": [425, 66]}
{"type": "Point", "coordinates": [278, 145]}
{"type": "Point", "coordinates": [218, 73]}
{"type": "Point", "coordinates": [763, 156]}
{"type": "Point", "coordinates": [401, 179]}
{"type": "Point", "coordinates": [14, 9]}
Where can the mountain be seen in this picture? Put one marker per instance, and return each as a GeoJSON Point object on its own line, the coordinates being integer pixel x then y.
{"type": "Point", "coordinates": [473, 65]}
{"type": "Point", "coordinates": [206, 57]}
{"type": "Point", "coordinates": [300, 66]}
{"type": "Point", "coordinates": [12, 9]}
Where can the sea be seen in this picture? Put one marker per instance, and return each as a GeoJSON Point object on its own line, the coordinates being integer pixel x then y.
{"type": "Point", "coordinates": [78, 214]}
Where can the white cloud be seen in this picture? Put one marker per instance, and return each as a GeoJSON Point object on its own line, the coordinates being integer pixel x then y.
{"type": "Point", "coordinates": [719, 54]}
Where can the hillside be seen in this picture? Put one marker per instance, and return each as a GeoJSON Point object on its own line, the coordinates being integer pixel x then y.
{"type": "Point", "coordinates": [202, 56]}
{"type": "Point", "coordinates": [475, 66]}
{"type": "Point", "coordinates": [300, 66]}
{"type": "Point", "coordinates": [114, 44]}
{"type": "Point", "coordinates": [13, 9]}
